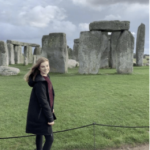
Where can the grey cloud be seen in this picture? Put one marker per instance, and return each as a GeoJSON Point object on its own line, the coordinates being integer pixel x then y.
{"type": "Point", "coordinates": [13, 28]}
{"type": "Point", "coordinates": [108, 2]}
{"type": "Point", "coordinates": [10, 31]}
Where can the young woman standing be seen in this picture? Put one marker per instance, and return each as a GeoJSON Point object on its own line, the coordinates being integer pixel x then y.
{"type": "Point", "coordinates": [40, 116]}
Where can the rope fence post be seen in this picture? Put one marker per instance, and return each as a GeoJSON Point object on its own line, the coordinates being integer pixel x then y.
{"type": "Point", "coordinates": [94, 133]}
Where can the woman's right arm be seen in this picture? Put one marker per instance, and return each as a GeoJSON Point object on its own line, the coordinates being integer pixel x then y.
{"type": "Point", "coordinates": [40, 91]}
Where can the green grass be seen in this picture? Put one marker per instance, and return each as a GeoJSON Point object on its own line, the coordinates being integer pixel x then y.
{"type": "Point", "coordinates": [145, 60]}
{"type": "Point", "coordinates": [105, 98]}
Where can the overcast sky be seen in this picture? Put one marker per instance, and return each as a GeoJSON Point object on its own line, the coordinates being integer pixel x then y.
{"type": "Point", "coordinates": [29, 20]}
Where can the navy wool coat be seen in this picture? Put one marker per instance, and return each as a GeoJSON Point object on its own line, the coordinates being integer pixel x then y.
{"type": "Point", "coordinates": [39, 110]}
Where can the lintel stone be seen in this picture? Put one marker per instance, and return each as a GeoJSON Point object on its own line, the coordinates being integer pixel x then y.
{"type": "Point", "coordinates": [17, 43]}
{"type": "Point", "coordinates": [114, 25]}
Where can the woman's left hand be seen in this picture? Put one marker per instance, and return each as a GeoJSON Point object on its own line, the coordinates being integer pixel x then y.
{"type": "Point", "coordinates": [53, 110]}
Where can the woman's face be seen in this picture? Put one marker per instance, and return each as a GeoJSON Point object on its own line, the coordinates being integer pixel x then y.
{"type": "Point", "coordinates": [44, 68]}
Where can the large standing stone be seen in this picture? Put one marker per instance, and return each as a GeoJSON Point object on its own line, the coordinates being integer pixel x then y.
{"type": "Point", "coordinates": [92, 44]}
{"type": "Point", "coordinates": [54, 46]}
{"type": "Point", "coordinates": [125, 49]}
{"type": "Point", "coordinates": [26, 55]}
{"type": "Point", "coordinates": [35, 58]}
{"type": "Point", "coordinates": [113, 47]}
{"type": "Point", "coordinates": [22, 59]}
{"type": "Point", "coordinates": [76, 49]}
{"type": "Point", "coordinates": [30, 55]}
{"type": "Point", "coordinates": [114, 25]}
{"type": "Point", "coordinates": [105, 55]}
{"type": "Point", "coordinates": [45, 40]}
{"type": "Point", "coordinates": [11, 53]}
{"type": "Point", "coordinates": [37, 54]}
{"type": "Point", "coordinates": [4, 55]}
{"type": "Point", "coordinates": [18, 54]}
{"type": "Point", "coordinates": [7, 71]}
{"type": "Point", "coordinates": [37, 51]}
{"type": "Point", "coordinates": [140, 41]}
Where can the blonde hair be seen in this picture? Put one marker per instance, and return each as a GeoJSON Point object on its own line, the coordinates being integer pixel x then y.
{"type": "Point", "coordinates": [34, 70]}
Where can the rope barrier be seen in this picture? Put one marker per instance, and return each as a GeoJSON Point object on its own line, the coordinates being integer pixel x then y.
{"type": "Point", "coordinates": [73, 128]}
{"type": "Point", "coordinates": [82, 127]}
{"type": "Point", "coordinates": [123, 126]}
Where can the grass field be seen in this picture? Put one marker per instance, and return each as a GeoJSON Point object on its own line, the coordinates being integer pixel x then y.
{"type": "Point", "coordinates": [105, 98]}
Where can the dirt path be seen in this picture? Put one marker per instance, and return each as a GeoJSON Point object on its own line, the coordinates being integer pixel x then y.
{"type": "Point", "coordinates": [126, 147]}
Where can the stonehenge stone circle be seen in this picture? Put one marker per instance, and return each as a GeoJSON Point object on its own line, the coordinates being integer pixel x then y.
{"type": "Point", "coordinates": [113, 45]}
{"type": "Point", "coordinates": [4, 55]}
{"type": "Point", "coordinates": [92, 44]}
{"type": "Point", "coordinates": [76, 49]}
{"type": "Point", "coordinates": [93, 50]}
{"type": "Point", "coordinates": [140, 41]}
{"type": "Point", "coordinates": [125, 49]}
{"type": "Point", "coordinates": [7, 71]}
{"type": "Point", "coordinates": [15, 52]}
{"type": "Point", "coordinates": [114, 25]}
{"type": "Point", "coordinates": [54, 47]}
{"type": "Point", "coordinates": [119, 54]}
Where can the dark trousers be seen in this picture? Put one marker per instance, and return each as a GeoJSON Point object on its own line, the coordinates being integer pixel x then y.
{"type": "Point", "coordinates": [47, 144]}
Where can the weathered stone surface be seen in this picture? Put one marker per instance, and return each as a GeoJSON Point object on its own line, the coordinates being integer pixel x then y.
{"type": "Point", "coordinates": [76, 40]}
{"type": "Point", "coordinates": [113, 46]}
{"type": "Point", "coordinates": [35, 58]}
{"type": "Point", "coordinates": [105, 55]}
{"type": "Point", "coordinates": [4, 55]}
{"type": "Point", "coordinates": [76, 49]}
{"type": "Point", "coordinates": [26, 51]}
{"type": "Point", "coordinates": [22, 59]}
{"type": "Point", "coordinates": [140, 42]}
{"type": "Point", "coordinates": [72, 63]}
{"type": "Point", "coordinates": [111, 26]}
{"type": "Point", "coordinates": [7, 71]}
{"type": "Point", "coordinates": [45, 40]}
{"type": "Point", "coordinates": [92, 44]}
{"type": "Point", "coordinates": [30, 55]}
{"type": "Point", "coordinates": [18, 54]}
{"type": "Point", "coordinates": [125, 49]}
{"type": "Point", "coordinates": [109, 62]}
{"type": "Point", "coordinates": [54, 47]}
{"type": "Point", "coordinates": [11, 53]}
{"type": "Point", "coordinates": [22, 43]}
{"type": "Point", "coordinates": [37, 51]}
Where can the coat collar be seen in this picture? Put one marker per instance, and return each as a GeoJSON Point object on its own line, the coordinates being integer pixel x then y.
{"type": "Point", "coordinates": [38, 78]}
